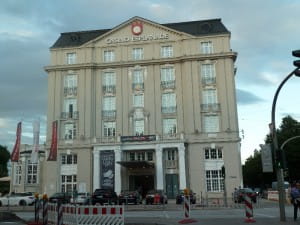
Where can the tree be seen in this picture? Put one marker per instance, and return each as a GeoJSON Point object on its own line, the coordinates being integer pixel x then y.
{"type": "Point", "coordinates": [4, 158]}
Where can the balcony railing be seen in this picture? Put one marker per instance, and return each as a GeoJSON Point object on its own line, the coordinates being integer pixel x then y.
{"type": "Point", "coordinates": [109, 89]}
{"type": "Point", "coordinates": [69, 115]}
{"type": "Point", "coordinates": [138, 86]}
{"type": "Point", "coordinates": [208, 80]}
{"type": "Point", "coordinates": [213, 107]}
{"type": "Point", "coordinates": [109, 114]}
{"type": "Point", "coordinates": [70, 91]}
{"type": "Point", "coordinates": [167, 84]}
{"type": "Point", "coordinates": [171, 164]}
{"type": "Point", "coordinates": [168, 110]}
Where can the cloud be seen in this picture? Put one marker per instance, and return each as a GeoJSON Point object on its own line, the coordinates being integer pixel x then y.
{"type": "Point", "coordinates": [246, 97]}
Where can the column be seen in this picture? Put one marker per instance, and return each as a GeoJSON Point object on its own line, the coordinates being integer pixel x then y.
{"type": "Point", "coordinates": [159, 168]}
{"type": "Point", "coordinates": [96, 170]}
{"type": "Point", "coordinates": [118, 182]}
{"type": "Point", "coordinates": [182, 172]}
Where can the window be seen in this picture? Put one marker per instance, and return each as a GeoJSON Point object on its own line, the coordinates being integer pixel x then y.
{"type": "Point", "coordinates": [171, 154]}
{"type": "Point", "coordinates": [109, 129]}
{"type": "Point", "coordinates": [68, 159]}
{"type": "Point", "coordinates": [18, 174]}
{"type": "Point", "coordinates": [213, 153]}
{"type": "Point", "coordinates": [138, 100]}
{"type": "Point", "coordinates": [68, 183]}
{"type": "Point", "coordinates": [150, 156]}
{"type": "Point", "coordinates": [214, 181]}
{"type": "Point", "coordinates": [209, 96]}
{"type": "Point", "coordinates": [141, 156]}
{"type": "Point", "coordinates": [168, 102]}
{"type": "Point", "coordinates": [169, 126]}
{"type": "Point", "coordinates": [109, 56]}
{"type": "Point", "coordinates": [71, 58]}
{"type": "Point", "coordinates": [167, 74]}
{"type": "Point", "coordinates": [70, 81]}
{"type": "Point", "coordinates": [131, 156]}
{"type": "Point", "coordinates": [109, 78]}
{"type": "Point", "coordinates": [208, 73]}
{"type": "Point", "coordinates": [138, 77]}
{"type": "Point", "coordinates": [71, 107]}
{"type": "Point", "coordinates": [211, 123]}
{"type": "Point", "coordinates": [206, 47]}
{"type": "Point", "coordinates": [70, 131]}
{"type": "Point", "coordinates": [32, 173]}
{"type": "Point", "coordinates": [109, 103]}
{"type": "Point", "coordinates": [137, 53]}
{"type": "Point", "coordinates": [166, 51]}
{"type": "Point", "coordinates": [139, 127]}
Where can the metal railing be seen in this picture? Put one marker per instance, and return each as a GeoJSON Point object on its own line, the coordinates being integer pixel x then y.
{"type": "Point", "coordinates": [167, 84]}
{"type": "Point", "coordinates": [70, 91]}
{"type": "Point", "coordinates": [212, 107]}
{"type": "Point", "coordinates": [69, 115]}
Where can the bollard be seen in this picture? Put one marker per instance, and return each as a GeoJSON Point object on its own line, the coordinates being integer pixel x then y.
{"type": "Point", "coordinates": [248, 209]}
{"type": "Point", "coordinates": [186, 206]}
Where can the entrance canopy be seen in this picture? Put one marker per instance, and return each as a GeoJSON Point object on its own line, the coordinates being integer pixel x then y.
{"type": "Point", "coordinates": [136, 164]}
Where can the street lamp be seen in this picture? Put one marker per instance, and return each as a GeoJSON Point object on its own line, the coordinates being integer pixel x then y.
{"type": "Point", "coordinates": [279, 154]}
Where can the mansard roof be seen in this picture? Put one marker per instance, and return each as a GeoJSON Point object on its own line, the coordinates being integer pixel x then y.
{"type": "Point", "coordinates": [195, 28]}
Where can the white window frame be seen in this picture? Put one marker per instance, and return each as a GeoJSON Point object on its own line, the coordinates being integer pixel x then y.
{"type": "Point", "coordinates": [109, 56]}
{"type": "Point", "coordinates": [31, 173]}
{"type": "Point", "coordinates": [137, 53]}
{"type": "Point", "coordinates": [208, 71]}
{"type": "Point", "coordinates": [167, 74]}
{"type": "Point", "coordinates": [166, 51]}
{"type": "Point", "coordinates": [68, 180]}
{"type": "Point", "coordinates": [206, 47]}
{"type": "Point", "coordinates": [70, 131]}
{"type": "Point", "coordinates": [70, 81]}
{"type": "Point", "coordinates": [138, 76]}
{"type": "Point", "coordinates": [138, 100]}
{"type": "Point", "coordinates": [70, 105]}
{"type": "Point", "coordinates": [139, 127]}
{"type": "Point", "coordinates": [211, 123]}
{"type": "Point", "coordinates": [109, 128]}
{"type": "Point", "coordinates": [168, 99]}
{"type": "Point", "coordinates": [214, 181]}
{"type": "Point", "coordinates": [109, 103]}
{"type": "Point", "coordinates": [68, 159]}
{"type": "Point", "coordinates": [71, 58]}
{"type": "Point", "coordinates": [109, 78]}
{"type": "Point", "coordinates": [17, 174]}
{"type": "Point", "coordinates": [213, 153]}
{"type": "Point", "coordinates": [209, 96]}
{"type": "Point", "coordinates": [169, 126]}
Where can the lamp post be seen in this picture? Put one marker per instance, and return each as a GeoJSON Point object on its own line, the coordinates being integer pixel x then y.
{"type": "Point", "coordinates": [279, 154]}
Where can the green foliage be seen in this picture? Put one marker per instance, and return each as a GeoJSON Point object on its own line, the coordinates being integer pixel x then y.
{"type": "Point", "coordinates": [252, 170]}
{"type": "Point", "coordinates": [4, 158]}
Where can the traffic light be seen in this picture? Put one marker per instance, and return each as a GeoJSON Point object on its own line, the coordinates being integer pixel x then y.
{"type": "Point", "coordinates": [223, 171]}
{"type": "Point", "coordinates": [296, 53]}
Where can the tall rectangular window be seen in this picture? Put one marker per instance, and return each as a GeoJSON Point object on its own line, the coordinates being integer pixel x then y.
{"type": "Point", "coordinates": [109, 78]}
{"type": "Point", "coordinates": [139, 127]}
{"type": "Point", "coordinates": [68, 159]}
{"type": "Point", "coordinates": [168, 103]}
{"type": "Point", "coordinates": [109, 129]}
{"type": "Point", "coordinates": [18, 174]}
{"type": "Point", "coordinates": [211, 123]}
{"type": "Point", "coordinates": [214, 181]}
{"type": "Point", "coordinates": [208, 75]}
{"type": "Point", "coordinates": [206, 47]}
{"type": "Point", "coordinates": [70, 107]}
{"type": "Point", "coordinates": [167, 74]}
{"type": "Point", "coordinates": [209, 96]}
{"type": "Point", "coordinates": [109, 103]}
{"type": "Point", "coordinates": [166, 51]}
{"type": "Point", "coordinates": [137, 53]}
{"type": "Point", "coordinates": [70, 81]}
{"type": "Point", "coordinates": [170, 126]}
{"type": "Point", "coordinates": [32, 173]}
{"type": "Point", "coordinates": [138, 77]}
{"type": "Point", "coordinates": [68, 183]}
{"type": "Point", "coordinates": [213, 153]}
{"type": "Point", "coordinates": [70, 131]}
{"type": "Point", "coordinates": [138, 100]}
{"type": "Point", "coordinates": [71, 58]}
{"type": "Point", "coordinates": [109, 56]}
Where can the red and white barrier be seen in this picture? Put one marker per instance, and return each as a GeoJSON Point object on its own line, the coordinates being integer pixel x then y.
{"type": "Point", "coordinates": [249, 210]}
{"type": "Point", "coordinates": [187, 206]}
{"type": "Point", "coordinates": [75, 215]}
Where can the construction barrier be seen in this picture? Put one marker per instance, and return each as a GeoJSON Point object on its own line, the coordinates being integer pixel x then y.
{"type": "Point", "coordinates": [76, 215]}
{"type": "Point", "coordinates": [248, 209]}
{"type": "Point", "coordinates": [186, 206]}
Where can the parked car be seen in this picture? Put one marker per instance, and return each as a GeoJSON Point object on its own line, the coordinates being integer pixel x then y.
{"type": "Point", "coordinates": [104, 196]}
{"type": "Point", "coordinates": [152, 195]}
{"type": "Point", "coordinates": [128, 197]}
{"type": "Point", "coordinates": [22, 199]}
{"type": "Point", "coordinates": [239, 195]}
{"type": "Point", "coordinates": [180, 197]}
{"type": "Point", "coordinates": [63, 197]}
{"type": "Point", "coordinates": [80, 198]}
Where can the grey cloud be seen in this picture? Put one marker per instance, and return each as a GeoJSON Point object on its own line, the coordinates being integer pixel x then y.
{"type": "Point", "coordinates": [247, 98]}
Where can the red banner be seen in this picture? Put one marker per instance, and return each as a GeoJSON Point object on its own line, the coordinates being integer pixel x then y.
{"type": "Point", "coordinates": [16, 151]}
{"type": "Point", "coordinates": [53, 148]}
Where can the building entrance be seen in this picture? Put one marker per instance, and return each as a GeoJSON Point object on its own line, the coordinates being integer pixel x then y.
{"type": "Point", "coordinates": [142, 183]}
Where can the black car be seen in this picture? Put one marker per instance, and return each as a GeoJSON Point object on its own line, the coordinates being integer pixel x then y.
{"type": "Point", "coordinates": [156, 197]}
{"type": "Point", "coordinates": [180, 197]}
{"type": "Point", "coordinates": [128, 197]}
{"type": "Point", "coordinates": [239, 195]}
{"type": "Point", "coordinates": [63, 197]}
{"type": "Point", "coordinates": [104, 196]}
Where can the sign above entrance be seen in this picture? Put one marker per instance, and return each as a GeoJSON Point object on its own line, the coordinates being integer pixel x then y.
{"type": "Point", "coordinates": [138, 138]}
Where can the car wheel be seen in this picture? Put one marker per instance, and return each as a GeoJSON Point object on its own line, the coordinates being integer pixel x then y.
{"type": "Point", "coordinates": [22, 203]}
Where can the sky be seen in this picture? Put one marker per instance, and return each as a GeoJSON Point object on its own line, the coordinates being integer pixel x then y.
{"type": "Point", "coordinates": [263, 33]}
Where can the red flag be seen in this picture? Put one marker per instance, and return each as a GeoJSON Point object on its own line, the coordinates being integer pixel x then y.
{"type": "Point", "coordinates": [53, 148]}
{"type": "Point", "coordinates": [16, 151]}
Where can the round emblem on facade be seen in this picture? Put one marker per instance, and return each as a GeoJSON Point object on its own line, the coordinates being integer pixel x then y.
{"type": "Point", "coordinates": [136, 27]}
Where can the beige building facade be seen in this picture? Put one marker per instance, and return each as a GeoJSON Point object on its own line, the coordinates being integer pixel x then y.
{"type": "Point", "coordinates": [144, 106]}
